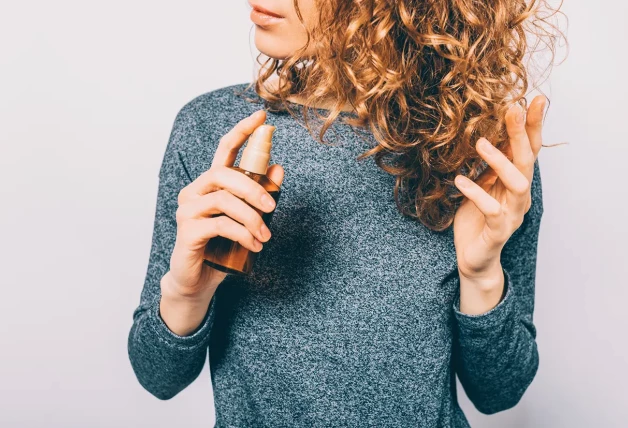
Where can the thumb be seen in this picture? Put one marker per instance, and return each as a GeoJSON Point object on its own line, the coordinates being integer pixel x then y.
{"type": "Point", "coordinates": [276, 173]}
{"type": "Point", "coordinates": [232, 141]}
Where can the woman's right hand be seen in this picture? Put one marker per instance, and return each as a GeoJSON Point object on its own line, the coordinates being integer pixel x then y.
{"type": "Point", "coordinates": [218, 191]}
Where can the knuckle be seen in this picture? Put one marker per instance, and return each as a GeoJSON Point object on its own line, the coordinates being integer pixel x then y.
{"type": "Point", "coordinates": [205, 175]}
{"type": "Point", "coordinates": [494, 212]}
{"type": "Point", "coordinates": [219, 171]}
{"type": "Point", "coordinates": [219, 198]}
{"type": "Point", "coordinates": [246, 238]}
{"type": "Point", "coordinates": [213, 173]}
{"type": "Point", "coordinates": [259, 221]}
{"type": "Point", "coordinates": [250, 242]}
{"type": "Point", "coordinates": [252, 192]}
{"type": "Point", "coordinates": [181, 214]}
{"type": "Point", "coordinates": [221, 222]}
{"type": "Point", "coordinates": [227, 139]}
{"type": "Point", "coordinates": [182, 196]}
{"type": "Point", "coordinates": [213, 226]}
{"type": "Point", "coordinates": [214, 177]}
{"type": "Point", "coordinates": [183, 233]}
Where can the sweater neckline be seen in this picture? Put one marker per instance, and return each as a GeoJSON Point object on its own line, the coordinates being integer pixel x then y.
{"type": "Point", "coordinates": [322, 111]}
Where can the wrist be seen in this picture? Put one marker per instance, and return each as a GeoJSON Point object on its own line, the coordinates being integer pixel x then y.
{"type": "Point", "coordinates": [487, 279]}
{"type": "Point", "coordinates": [173, 292]}
{"type": "Point", "coordinates": [181, 313]}
{"type": "Point", "coordinates": [481, 291]}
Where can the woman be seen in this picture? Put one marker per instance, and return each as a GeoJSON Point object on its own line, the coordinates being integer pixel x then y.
{"type": "Point", "coordinates": [385, 276]}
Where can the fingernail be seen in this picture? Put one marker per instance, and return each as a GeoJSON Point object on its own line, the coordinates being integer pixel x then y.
{"type": "Point", "coordinates": [543, 104]}
{"type": "Point", "coordinates": [485, 145]}
{"type": "Point", "coordinates": [258, 113]}
{"type": "Point", "coordinates": [264, 232]}
{"type": "Point", "coordinates": [461, 182]}
{"type": "Point", "coordinates": [258, 244]}
{"type": "Point", "coordinates": [268, 201]}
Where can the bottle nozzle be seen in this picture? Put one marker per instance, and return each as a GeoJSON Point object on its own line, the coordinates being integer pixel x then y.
{"type": "Point", "coordinates": [256, 154]}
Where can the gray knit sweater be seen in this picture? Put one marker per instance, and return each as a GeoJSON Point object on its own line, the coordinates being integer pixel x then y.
{"type": "Point", "coordinates": [350, 316]}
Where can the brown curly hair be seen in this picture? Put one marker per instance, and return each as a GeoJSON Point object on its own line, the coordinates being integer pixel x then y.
{"type": "Point", "coordinates": [427, 77]}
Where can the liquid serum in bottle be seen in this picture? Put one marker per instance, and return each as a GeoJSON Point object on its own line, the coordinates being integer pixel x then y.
{"type": "Point", "coordinates": [222, 253]}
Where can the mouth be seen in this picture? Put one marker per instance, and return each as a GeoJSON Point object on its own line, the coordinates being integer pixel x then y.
{"type": "Point", "coordinates": [264, 17]}
{"type": "Point", "coordinates": [266, 11]}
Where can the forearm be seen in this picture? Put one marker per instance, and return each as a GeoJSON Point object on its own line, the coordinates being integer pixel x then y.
{"type": "Point", "coordinates": [496, 356]}
{"type": "Point", "coordinates": [182, 314]}
{"type": "Point", "coordinates": [164, 361]}
{"type": "Point", "coordinates": [495, 352]}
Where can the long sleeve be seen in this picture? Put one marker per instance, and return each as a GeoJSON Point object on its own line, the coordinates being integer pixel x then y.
{"type": "Point", "coordinates": [164, 362]}
{"type": "Point", "coordinates": [495, 354]}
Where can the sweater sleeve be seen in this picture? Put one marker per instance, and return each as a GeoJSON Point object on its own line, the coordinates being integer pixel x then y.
{"type": "Point", "coordinates": [495, 354]}
{"type": "Point", "coordinates": [164, 362]}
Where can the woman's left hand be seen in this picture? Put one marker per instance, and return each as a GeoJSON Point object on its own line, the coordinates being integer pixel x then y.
{"type": "Point", "coordinates": [494, 205]}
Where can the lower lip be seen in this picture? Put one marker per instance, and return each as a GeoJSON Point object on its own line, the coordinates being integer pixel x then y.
{"type": "Point", "coordinates": [263, 19]}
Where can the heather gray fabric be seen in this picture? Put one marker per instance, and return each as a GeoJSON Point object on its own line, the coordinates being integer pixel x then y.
{"type": "Point", "coordinates": [350, 315]}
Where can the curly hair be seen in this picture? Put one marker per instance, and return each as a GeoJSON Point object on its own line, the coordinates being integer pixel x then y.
{"type": "Point", "coordinates": [427, 77]}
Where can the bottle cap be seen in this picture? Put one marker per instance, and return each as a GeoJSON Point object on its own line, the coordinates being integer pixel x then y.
{"type": "Point", "coordinates": [256, 154]}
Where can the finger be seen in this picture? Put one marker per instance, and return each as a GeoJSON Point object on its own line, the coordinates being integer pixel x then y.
{"type": "Point", "coordinates": [487, 205]}
{"type": "Point", "coordinates": [486, 179]}
{"type": "Point", "coordinates": [223, 177]}
{"type": "Point", "coordinates": [522, 155]}
{"type": "Point", "coordinates": [534, 123]}
{"type": "Point", "coordinates": [202, 230]}
{"type": "Point", "coordinates": [513, 179]}
{"type": "Point", "coordinates": [276, 174]}
{"type": "Point", "coordinates": [232, 141]}
{"type": "Point", "coordinates": [224, 202]}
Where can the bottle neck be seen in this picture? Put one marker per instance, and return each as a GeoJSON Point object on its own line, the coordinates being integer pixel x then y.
{"type": "Point", "coordinates": [255, 161]}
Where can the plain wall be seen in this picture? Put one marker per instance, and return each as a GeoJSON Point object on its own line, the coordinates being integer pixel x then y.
{"type": "Point", "coordinates": [88, 96]}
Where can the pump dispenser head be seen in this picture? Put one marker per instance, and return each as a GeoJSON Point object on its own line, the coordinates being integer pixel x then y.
{"type": "Point", "coordinates": [256, 154]}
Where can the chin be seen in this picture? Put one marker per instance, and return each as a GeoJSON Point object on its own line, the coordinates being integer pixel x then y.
{"type": "Point", "coordinates": [271, 45]}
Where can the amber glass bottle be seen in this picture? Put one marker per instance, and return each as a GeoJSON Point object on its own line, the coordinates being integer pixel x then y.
{"type": "Point", "coordinates": [222, 253]}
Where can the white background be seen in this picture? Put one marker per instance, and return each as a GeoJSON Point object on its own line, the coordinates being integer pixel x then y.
{"type": "Point", "coordinates": [88, 96]}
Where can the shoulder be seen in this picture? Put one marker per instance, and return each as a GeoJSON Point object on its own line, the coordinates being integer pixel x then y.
{"type": "Point", "coordinates": [202, 121]}
{"type": "Point", "coordinates": [227, 103]}
{"type": "Point", "coordinates": [222, 101]}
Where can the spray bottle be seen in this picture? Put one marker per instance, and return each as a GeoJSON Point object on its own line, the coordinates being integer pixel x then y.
{"type": "Point", "coordinates": [222, 253]}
